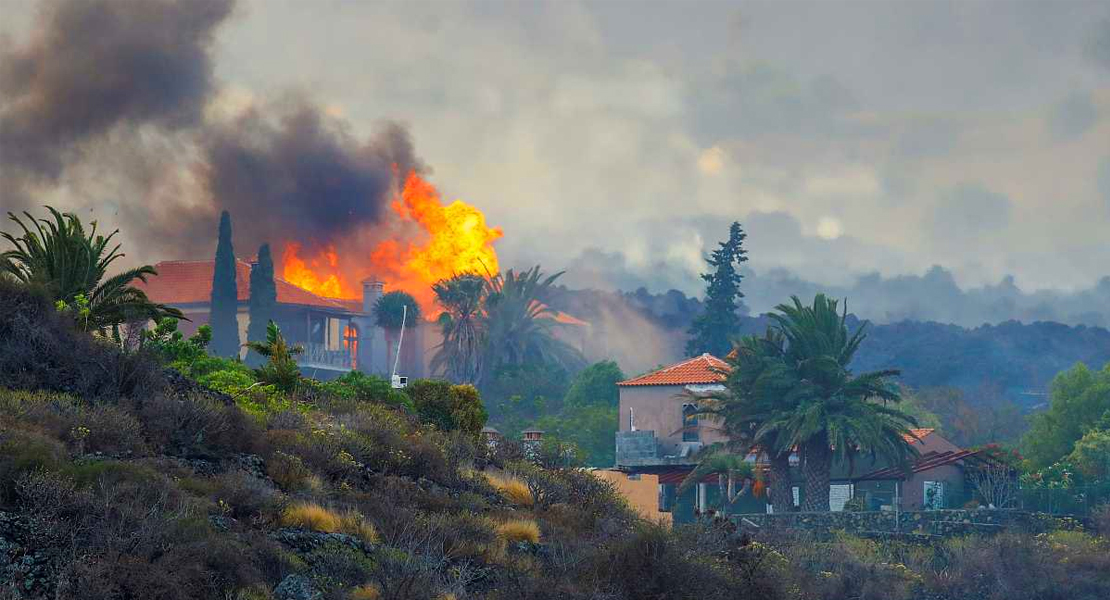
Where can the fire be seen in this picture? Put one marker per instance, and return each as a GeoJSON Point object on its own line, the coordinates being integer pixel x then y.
{"type": "Point", "coordinates": [297, 272]}
{"type": "Point", "coordinates": [455, 240]}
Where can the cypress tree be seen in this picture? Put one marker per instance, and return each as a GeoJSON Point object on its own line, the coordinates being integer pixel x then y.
{"type": "Point", "coordinates": [713, 330]}
{"type": "Point", "coordinates": [225, 297]}
{"type": "Point", "coordinates": [263, 300]}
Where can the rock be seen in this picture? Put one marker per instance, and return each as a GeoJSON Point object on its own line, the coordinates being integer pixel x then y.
{"type": "Point", "coordinates": [296, 587]}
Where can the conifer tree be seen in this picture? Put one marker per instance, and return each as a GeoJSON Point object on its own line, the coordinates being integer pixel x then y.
{"type": "Point", "coordinates": [225, 297]}
{"type": "Point", "coordinates": [263, 300]}
{"type": "Point", "coordinates": [713, 330]}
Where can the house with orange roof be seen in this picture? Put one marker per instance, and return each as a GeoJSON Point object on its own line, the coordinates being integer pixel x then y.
{"type": "Point", "coordinates": [936, 480]}
{"type": "Point", "coordinates": [660, 434]}
{"type": "Point", "coordinates": [338, 334]}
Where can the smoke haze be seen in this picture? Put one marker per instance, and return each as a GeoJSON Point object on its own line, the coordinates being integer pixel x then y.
{"type": "Point", "coordinates": [860, 144]}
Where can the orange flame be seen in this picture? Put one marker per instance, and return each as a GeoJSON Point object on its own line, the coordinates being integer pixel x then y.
{"type": "Point", "coordinates": [457, 241]}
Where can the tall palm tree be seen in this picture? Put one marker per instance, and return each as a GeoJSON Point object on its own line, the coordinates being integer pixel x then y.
{"type": "Point", "coordinates": [729, 468]}
{"type": "Point", "coordinates": [461, 298]}
{"type": "Point", "coordinates": [519, 326]}
{"type": "Point", "coordinates": [389, 311]}
{"type": "Point", "coordinates": [72, 266]}
{"type": "Point", "coordinates": [838, 415]}
{"type": "Point", "coordinates": [758, 387]}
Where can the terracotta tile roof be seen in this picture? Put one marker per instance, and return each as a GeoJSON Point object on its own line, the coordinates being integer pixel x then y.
{"type": "Point", "coordinates": [917, 435]}
{"type": "Point", "coordinates": [700, 369]}
{"type": "Point", "coordinates": [931, 460]}
{"type": "Point", "coordinates": [190, 282]}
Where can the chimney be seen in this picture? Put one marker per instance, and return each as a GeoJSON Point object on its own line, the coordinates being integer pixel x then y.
{"type": "Point", "coordinates": [372, 289]}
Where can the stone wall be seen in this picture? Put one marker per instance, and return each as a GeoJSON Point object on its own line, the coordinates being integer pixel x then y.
{"type": "Point", "coordinates": [933, 522]}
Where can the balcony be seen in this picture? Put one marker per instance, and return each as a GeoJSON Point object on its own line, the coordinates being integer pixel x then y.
{"type": "Point", "coordinates": [642, 449]}
{"type": "Point", "coordinates": [318, 356]}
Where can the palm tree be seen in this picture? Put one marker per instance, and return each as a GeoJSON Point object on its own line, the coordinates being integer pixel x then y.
{"type": "Point", "coordinates": [389, 312]}
{"type": "Point", "coordinates": [281, 369]}
{"type": "Point", "coordinates": [519, 327]}
{"type": "Point", "coordinates": [71, 266]}
{"type": "Point", "coordinates": [758, 386]}
{"type": "Point", "coordinates": [461, 298]}
{"type": "Point", "coordinates": [838, 415]}
{"type": "Point", "coordinates": [729, 468]}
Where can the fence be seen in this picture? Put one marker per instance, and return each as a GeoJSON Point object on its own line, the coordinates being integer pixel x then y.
{"type": "Point", "coordinates": [1078, 501]}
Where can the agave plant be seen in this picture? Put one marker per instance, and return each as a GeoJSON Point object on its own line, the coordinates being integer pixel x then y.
{"type": "Point", "coordinates": [72, 266]}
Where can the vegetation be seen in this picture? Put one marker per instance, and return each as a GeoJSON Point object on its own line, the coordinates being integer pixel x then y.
{"type": "Point", "coordinates": [714, 329]}
{"type": "Point", "coordinates": [461, 324]}
{"type": "Point", "coordinates": [280, 370]}
{"type": "Point", "coordinates": [161, 471]}
{"type": "Point", "coordinates": [224, 306]}
{"type": "Point", "coordinates": [263, 300]}
{"type": "Point", "coordinates": [72, 267]}
{"type": "Point", "coordinates": [1079, 397]}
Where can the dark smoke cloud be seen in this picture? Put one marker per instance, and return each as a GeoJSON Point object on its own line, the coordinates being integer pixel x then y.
{"type": "Point", "coordinates": [93, 65]}
{"type": "Point", "coordinates": [109, 99]}
{"type": "Point", "coordinates": [302, 176]}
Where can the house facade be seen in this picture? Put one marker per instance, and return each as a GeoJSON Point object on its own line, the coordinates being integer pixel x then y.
{"type": "Point", "coordinates": [338, 335]}
{"type": "Point", "coordinates": [936, 480]}
{"type": "Point", "coordinates": [660, 434]}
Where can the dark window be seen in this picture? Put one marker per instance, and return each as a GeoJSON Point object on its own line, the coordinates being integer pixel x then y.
{"type": "Point", "coordinates": [690, 423]}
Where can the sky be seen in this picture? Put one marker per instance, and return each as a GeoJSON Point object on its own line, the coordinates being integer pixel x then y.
{"type": "Point", "coordinates": [616, 139]}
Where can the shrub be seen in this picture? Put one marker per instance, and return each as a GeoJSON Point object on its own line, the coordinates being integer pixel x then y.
{"type": "Point", "coordinates": [448, 407]}
{"type": "Point", "coordinates": [368, 591]}
{"type": "Point", "coordinates": [196, 426]}
{"type": "Point", "coordinates": [519, 530]}
{"type": "Point", "coordinates": [41, 349]}
{"type": "Point", "coordinates": [311, 516]}
{"type": "Point", "coordinates": [1101, 519]}
{"type": "Point", "coordinates": [288, 471]}
{"type": "Point", "coordinates": [246, 496]}
{"type": "Point", "coordinates": [354, 388]}
{"type": "Point", "coordinates": [353, 523]}
{"type": "Point", "coordinates": [514, 489]}
{"type": "Point", "coordinates": [25, 452]}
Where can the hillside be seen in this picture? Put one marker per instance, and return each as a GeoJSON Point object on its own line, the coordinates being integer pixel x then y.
{"type": "Point", "coordinates": [121, 479]}
{"type": "Point", "coordinates": [1011, 360]}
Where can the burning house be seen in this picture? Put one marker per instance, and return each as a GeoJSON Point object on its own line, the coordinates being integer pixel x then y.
{"type": "Point", "coordinates": [338, 334]}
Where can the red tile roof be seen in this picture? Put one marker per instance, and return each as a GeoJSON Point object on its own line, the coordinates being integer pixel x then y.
{"type": "Point", "coordinates": [917, 435]}
{"type": "Point", "coordinates": [700, 369]}
{"type": "Point", "coordinates": [931, 460]}
{"type": "Point", "coordinates": [190, 282]}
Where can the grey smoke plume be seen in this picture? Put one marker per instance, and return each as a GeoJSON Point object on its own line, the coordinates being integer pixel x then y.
{"type": "Point", "coordinates": [93, 65]}
{"type": "Point", "coordinates": [302, 178]}
{"type": "Point", "coordinates": [117, 90]}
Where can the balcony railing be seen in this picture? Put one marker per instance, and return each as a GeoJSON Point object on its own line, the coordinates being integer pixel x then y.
{"type": "Point", "coordinates": [319, 356]}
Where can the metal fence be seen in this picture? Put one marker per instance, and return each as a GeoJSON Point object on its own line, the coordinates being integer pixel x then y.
{"type": "Point", "coordinates": [1076, 501]}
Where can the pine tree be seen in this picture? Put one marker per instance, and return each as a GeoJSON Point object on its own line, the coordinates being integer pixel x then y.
{"type": "Point", "coordinates": [225, 297]}
{"type": "Point", "coordinates": [263, 300]}
{"type": "Point", "coordinates": [713, 330]}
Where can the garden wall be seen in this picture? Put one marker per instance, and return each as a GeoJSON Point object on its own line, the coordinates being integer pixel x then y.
{"type": "Point", "coordinates": [933, 522]}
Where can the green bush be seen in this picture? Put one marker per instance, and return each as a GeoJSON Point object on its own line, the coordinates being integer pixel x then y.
{"type": "Point", "coordinates": [448, 407]}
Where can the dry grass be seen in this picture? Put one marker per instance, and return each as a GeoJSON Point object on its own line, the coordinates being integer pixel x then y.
{"type": "Point", "coordinates": [311, 516]}
{"type": "Point", "coordinates": [514, 489]}
{"type": "Point", "coordinates": [352, 523]}
{"type": "Point", "coordinates": [366, 592]}
{"type": "Point", "coordinates": [520, 530]}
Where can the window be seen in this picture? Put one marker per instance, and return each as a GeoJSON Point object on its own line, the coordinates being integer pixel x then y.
{"type": "Point", "coordinates": [690, 423]}
{"type": "Point", "coordinates": [934, 495]}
